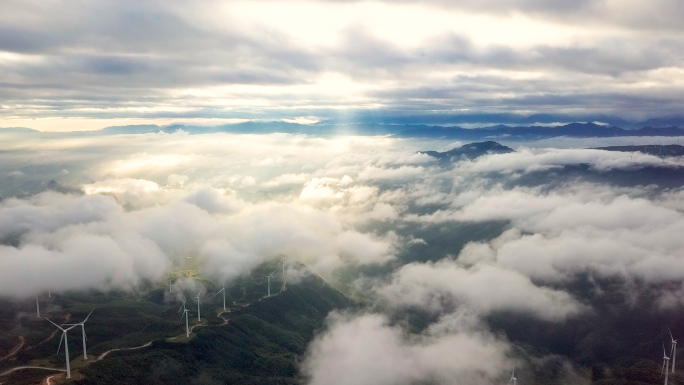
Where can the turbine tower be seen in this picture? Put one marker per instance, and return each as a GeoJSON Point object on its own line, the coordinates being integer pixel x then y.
{"type": "Point", "coordinates": [282, 262]}
{"type": "Point", "coordinates": [223, 289]}
{"type": "Point", "coordinates": [185, 314]}
{"type": "Point", "coordinates": [37, 307]}
{"type": "Point", "coordinates": [513, 380]}
{"type": "Point", "coordinates": [199, 318]}
{"type": "Point", "coordinates": [82, 323]}
{"type": "Point", "coordinates": [674, 350]}
{"type": "Point", "coordinates": [666, 365]}
{"type": "Point", "coordinates": [269, 281]}
{"type": "Point", "coordinates": [66, 346]}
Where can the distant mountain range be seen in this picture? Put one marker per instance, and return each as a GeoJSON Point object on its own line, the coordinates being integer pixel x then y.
{"type": "Point", "coordinates": [577, 130]}
{"type": "Point", "coordinates": [657, 150]}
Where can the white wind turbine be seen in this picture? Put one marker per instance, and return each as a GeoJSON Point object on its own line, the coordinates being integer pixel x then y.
{"type": "Point", "coordinates": [199, 318]}
{"type": "Point", "coordinates": [223, 289]}
{"type": "Point", "coordinates": [282, 262]}
{"type": "Point", "coordinates": [66, 346]}
{"type": "Point", "coordinates": [185, 314]}
{"type": "Point", "coordinates": [513, 380]}
{"type": "Point", "coordinates": [269, 281]}
{"type": "Point", "coordinates": [674, 350]}
{"type": "Point", "coordinates": [666, 365]}
{"type": "Point", "coordinates": [82, 323]}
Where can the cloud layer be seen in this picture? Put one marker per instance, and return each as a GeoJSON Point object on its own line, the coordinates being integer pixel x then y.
{"type": "Point", "coordinates": [459, 243]}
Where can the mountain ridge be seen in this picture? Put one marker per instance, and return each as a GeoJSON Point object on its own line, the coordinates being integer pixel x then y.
{"type": "Point", "coordinates": [531, 132]}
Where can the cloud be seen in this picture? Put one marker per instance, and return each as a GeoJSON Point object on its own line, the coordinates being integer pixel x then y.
{"type": "Point", "coordinates": [528, 160]}
{"type": "Point", "coordinates": [227, 236]}
{"type": "Point", "coordinates": [287, 179]}
{"type": "Point", "coordinates": [215, 201]}
{"type": "Point", "coordinates": [212, 60]}
{"type": "Point", "coordinates": [367, 349]}
{"type": "Point", "coordinates": [483, 288]}
{"type": "Point", "coordinates": [455, 245]}
{"type": "Point", "coordinates": [341, 205]}
{"type": "Point", "coordinates": [81, 261]}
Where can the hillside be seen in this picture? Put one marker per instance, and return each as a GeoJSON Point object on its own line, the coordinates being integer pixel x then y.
{"type": "Point", "coordinates": [257, 341]}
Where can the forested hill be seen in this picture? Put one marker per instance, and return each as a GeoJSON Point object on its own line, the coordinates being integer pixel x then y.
{"type": "Point", "coordinates": [261, 343]}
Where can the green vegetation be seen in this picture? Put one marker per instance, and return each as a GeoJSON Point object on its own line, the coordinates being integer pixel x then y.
{"type": "Point", "coordinates": [258, 341]}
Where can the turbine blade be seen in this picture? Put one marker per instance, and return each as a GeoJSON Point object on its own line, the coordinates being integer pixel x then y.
{"type": "Point", "coordinates": [60, 328]}
{"type": "Point", "coordinates": [60, 343]}
{"type": "Point", "coordinates": [86, 318]}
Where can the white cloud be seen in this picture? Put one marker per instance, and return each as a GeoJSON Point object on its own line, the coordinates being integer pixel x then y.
{"type": "Point", "coordinates": [483, 288]}
{"type": "Point", "coordinates": [367, 349]}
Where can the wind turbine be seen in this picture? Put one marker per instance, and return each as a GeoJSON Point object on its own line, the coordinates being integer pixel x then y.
{"type": "Point", "coordinates": [66, 346]}
{"type": "Point", "coordinates": [185, 314]}
{"type": "Point", "coordinates": [666, 365]}
{"type": "Point", "coordinates": [282, 262]}
{"type": "Point", "coordinates": [82, 323]}
{"type": "Point", "coordinates": [674, 350]}
{"type": "Point", "coordinates": [37, 307]}
{"type": "Point", "coordinates": [269, 281]}
{"type": "Point", "coordinates": [513, 379]}
{"type": "Point", "coordinates": [223, 289]}
{"type": "Point", "coordinates": [199, 318]}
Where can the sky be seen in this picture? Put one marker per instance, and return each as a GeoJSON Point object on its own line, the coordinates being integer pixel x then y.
{"type": "Point", "coordinates": [85, 65]}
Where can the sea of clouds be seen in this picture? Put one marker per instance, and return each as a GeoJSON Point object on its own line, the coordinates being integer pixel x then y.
{"type": "Point", "coordinates": [133, 208]}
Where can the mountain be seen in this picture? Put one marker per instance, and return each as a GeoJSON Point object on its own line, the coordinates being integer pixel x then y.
{"type": "Point", "coordinates": [404, 128]}
{"type": "Point", "coordinates": [481, 119]}
{"type": "Point", "coordinates": [666, 121]}
{"type": "Point", "coordinates": [470, 151]}
{"type": "Point", "coordinates": [578, 130]}
{"type": "Point", "coordinates": [658, 131]}
{"type": "Point", "coordinates": [18, 130]}
{"type": "Point", "coordinates": [651, 149]}
{"type": "Point", "coordinates": [53, 185]}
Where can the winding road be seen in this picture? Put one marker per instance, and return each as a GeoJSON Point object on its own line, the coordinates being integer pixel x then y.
{"type": "Point", "coordinates": [103, 355]}
{"type": "Point", "coordinates": [15, 349]}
